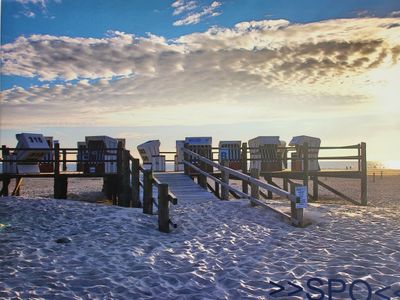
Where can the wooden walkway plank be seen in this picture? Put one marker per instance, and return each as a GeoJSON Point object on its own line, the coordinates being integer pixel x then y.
{"type": "Point", "coordinates": [184, 188]}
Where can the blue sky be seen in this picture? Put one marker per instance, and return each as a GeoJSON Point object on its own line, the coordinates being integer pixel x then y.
{"type": "Point", "coordinates": [121, 66]}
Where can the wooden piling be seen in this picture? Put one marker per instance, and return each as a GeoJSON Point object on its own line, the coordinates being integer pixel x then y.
{"type": "Point", "coordinates": [163, 208]}
{"type": "Point", "coordinates": [245, 186]}
{"type": "Point", "coordinates": [148, 192]}
{"type": "Point", "coordinates": [255, 190]}
{"type": "Point", "coordinates": [135, 183]}
{"type": "Point", "coordinates": [364, 177]}
{"type": "Point", "coordinates": [297, 214]}
{"type": "Point", "coordinates": [225, 179]}
{"type": "Point", "coordinates": [124, 197]}
{"type": "Point", "coordinates": [60, 181]}
{"type": "Point", "coordinates": [60, 187]}
{"type": "Point", "coordinates": [373, 177]}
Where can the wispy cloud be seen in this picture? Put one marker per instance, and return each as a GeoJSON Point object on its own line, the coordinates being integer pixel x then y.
{"type": "Point", "coordinates": [395, 14]}
{"type": "Point", "coordinates": [182, 6]}
{"type": "Point", "coordinates": [30, 5]}
{"type": "Point", "coordinates": [194, 17]}
{"type": "Point", "coordinates": [268, 63]}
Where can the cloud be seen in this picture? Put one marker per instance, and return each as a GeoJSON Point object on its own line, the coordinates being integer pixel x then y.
{"type": "Point", "coordinates": [194, 17]}
{"type": "Point", "coordinates": [260, 67]}
{"type": "Point", "coordinates": [181, 6]}
{"type": "Point", "coordinates": [395, 14]}
{"type": "Point", "coordinates": [30, 5]}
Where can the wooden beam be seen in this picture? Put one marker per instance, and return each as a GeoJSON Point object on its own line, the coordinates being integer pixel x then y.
{"type": "Point", "coordinates": [17, 189]}
{"type": "Point", "coordinates": [336, 192]}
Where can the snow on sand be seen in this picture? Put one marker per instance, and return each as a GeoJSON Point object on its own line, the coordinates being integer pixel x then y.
{"type": "Point", "coordinates": [220, 250]}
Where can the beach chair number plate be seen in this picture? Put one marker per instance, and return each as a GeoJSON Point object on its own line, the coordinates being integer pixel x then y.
{"type": "Point", "coordinates": [302, 193]}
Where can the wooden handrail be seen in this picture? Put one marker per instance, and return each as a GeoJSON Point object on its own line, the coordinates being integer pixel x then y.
{"type": "Point", "coordinates": [238, 192]}
{"type": "Point", "coordinates": [244, 177]}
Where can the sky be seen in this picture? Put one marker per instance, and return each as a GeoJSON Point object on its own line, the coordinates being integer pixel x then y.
{"type": "Point", "coordinates": [229, 69]}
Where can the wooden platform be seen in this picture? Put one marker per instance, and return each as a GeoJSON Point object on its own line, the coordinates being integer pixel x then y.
{"type": "Point", "coordinates": [184, 188]}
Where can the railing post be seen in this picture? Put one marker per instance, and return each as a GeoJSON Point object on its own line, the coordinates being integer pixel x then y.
{"type": "Point", "coordinates": [364, 199]}
{"type": "Point", "coordinates": [60, 182]}
{"type": "Point", "coordinates": [315, 188]}
{"type": "Point", "coordinates": [297, 214]}
{"type": "Point", "coordinates": [202, 179]}
{"type": "Point", "coordinates": [64, 160]}
{"type": "Point", "coordinates": [225, 179]}
{"type": "Point", "coordinates": [163, 208]}
{"type": "Point", "coordinates": [255, 190]}
{"type": "Point", "coordinates": [305, 165]}
{"type": "Point", "coordinates": [186, 158]}
{"type": "Point", "coordinates": [245, 186]}
{"type": "Point", "coordinates": [135, 183]}
{"type": "Point", "coordinates": [56, 159]}
{"type": "Point", "coordinates": [148, 192]}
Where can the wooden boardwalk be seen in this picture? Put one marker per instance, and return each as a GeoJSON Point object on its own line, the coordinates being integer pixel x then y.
{"type": "Point", "coordinates": [184, 188]}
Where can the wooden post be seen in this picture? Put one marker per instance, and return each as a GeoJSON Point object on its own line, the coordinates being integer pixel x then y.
{"type": "Point", "coordinates": [148, 192]}
{"type": "Point", "coordinates": [202, 179]}
{"type": "Point", "coordinates": [297, 214]}
{"type": "Point", "coordinates": [186, 157]}
{"type": "Point", "coordinates": [245, 186]}
{"type": "Point", "coordinates": [269, 193]}
{"type": "Point", "coordinates": [381, 174]}
{"type": "Point", "coordinates": [135, 183]}
{"type": "Point", "coordinates": [373, 177]}
{"type": "Point", "coordinates": [255, 190]}
{"type": "Point", "coordinates": [364, 177]}
{"type": "Point", "coordinates": [60, 182]}
{"type": "Point", "coordinates": [124, 197]}
{"type": "Point", "coordinates": [163, 208]}
{"type": "Point", "coordinates": [217, 192]}
{"type": "Point", "coordinates": [285, 184]}
{"type": "Point", "coordinates": [6, 180]}
{"type": "Point", "coordinates": [315, 188]}
{"type": "Point", "coordinates": [305, 164]}
{"type": "Point", "coordinates": [225, 179]}
{"type": "Point", "coordinates": [56, 159]}
{"type": "Point", "coordinates": [60, 187]}
{"type": "Point", "coordinates": [64, 160]}
{"type": "Point", "coordinates": [4, 189]}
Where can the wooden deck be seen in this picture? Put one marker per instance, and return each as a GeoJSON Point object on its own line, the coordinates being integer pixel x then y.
{"type": "Point", "coordinates": [184, 188]}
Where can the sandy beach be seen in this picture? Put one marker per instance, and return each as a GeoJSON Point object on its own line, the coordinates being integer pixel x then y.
{"type": "Point", "coordinates": [69, 249]}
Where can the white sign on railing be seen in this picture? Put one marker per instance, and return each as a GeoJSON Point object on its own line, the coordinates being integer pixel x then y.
{"type": "Point", "coordinates": [302, 194]}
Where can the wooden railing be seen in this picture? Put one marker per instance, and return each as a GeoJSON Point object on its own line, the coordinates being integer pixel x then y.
{"type": "Point", "coordinates": [164, 197]}
{"type": "Point", "coordinates": [296, 217]}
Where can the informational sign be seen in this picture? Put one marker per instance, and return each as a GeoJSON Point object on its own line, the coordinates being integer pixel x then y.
{"type": "Point", "coordinates": [301, 194]}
